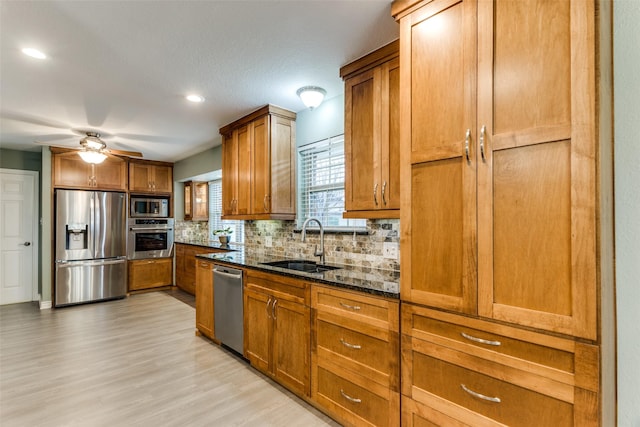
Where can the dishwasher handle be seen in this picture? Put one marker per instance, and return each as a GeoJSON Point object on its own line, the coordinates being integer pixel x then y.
{"type": "Point", "coordinates": [230, 275]}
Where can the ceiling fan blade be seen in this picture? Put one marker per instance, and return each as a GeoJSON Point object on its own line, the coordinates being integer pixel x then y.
{"type": "Point", "coordinates": [124, 152]}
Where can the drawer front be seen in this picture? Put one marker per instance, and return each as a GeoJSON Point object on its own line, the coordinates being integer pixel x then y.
{"type": "Point", "coordinates": [372, 357]}
{"type": "Point", "coordinates": [354, 403]}
{"type": "Point", "coordinates": [533, 352]}
{"type": "Point", "coordinates": [366, 309]}
{"type": "Point", "coordinates": [438, 383]}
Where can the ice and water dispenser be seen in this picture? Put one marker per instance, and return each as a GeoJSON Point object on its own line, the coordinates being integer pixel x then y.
{"type": "Point", "coordinates": [77, 236]}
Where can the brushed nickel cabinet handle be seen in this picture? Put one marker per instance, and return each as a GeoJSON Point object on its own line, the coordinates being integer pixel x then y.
{"type": "Point", "coordinates": [350, 307]}
{"type": "Point", "coordinates": [384, 187]}
{"type": "Point", "coordinates": [268, 313]}
{"type": "Point", "coordinates": [349, 398]}
{"type": "Point", "coordinates": [480, 396]}
{"type": "Point", "coordinates": [467, 138]}
{"type": "Point", "coordinates": [375, 193]}
{"type": "Point", "coordinates": [273, 308]}
{"type": "Point", "coordinates": [483, 130]}
{"type": "Point", "coordinates": [349, 345]}
{"type": "Point", "coordinates": [480, 340]}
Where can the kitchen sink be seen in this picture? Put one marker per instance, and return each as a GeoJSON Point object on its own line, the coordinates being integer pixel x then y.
{"type": "Point", "coordinates": [301, 265]}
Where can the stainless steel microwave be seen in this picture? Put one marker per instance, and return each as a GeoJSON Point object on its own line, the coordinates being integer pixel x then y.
{"type": "Point", "coordinates": [149, 207]}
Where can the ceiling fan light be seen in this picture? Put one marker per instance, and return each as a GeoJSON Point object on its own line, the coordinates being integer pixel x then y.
{"type": "Point", "coordinates": [311, 96]}
{"type": "Point", "coordinates": [91, 156]}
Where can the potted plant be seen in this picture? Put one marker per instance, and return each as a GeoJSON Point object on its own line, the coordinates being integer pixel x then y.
{"type": "Point", "coordinates": [223, 235]}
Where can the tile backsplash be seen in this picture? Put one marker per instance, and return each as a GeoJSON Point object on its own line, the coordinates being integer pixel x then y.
{"type": "Point", "coordinates": [363, 250]}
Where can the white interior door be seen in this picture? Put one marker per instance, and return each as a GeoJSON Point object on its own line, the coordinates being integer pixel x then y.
{"type": "Point", "coordinates": [18, 235]}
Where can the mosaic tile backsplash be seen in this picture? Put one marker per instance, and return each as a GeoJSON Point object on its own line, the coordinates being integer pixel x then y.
{"type": "Point", "coordinates": [364, 250]}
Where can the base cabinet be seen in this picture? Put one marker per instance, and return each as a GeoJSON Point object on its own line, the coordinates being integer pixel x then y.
{"type": "Point", "coordinates": [355, 359]}
{"type": "Point", "coordinates": [204, 298]}
{"type": "Point", "coordinates": [150, 273]}
{"type": "Point", "coordinates": [481, 373]}
{"type": "Point", "coordinates": [277, 329]}
{"type": "Point", "coordinates": [186, 265]}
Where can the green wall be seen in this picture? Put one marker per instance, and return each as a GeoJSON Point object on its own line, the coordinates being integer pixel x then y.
{"type": "Point", "coordinates": [21, 160]}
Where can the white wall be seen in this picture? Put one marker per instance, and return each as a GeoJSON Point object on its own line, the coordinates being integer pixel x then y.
{"type": "Point", "coordinates": [626, 15]}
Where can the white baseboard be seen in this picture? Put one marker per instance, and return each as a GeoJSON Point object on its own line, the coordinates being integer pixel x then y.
{"type": "Point", "coordinates": [44, 305]}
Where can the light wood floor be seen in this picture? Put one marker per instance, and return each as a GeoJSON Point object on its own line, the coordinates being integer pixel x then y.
{"type": "Point", "coordinates": [131, 362]}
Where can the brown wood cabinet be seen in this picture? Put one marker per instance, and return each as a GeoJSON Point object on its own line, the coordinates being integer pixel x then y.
{"type": "Point", "coordinates": [196, 201]}
{"type": "Point", "coordinates": [150, 273]}
{"type": "Point", "coordinates": [505, 119]}
{"type": "Point", "coordinates": [70, 171]}
{"type": "Point", "coordinates": [259, 166]}
{"type": "Point", "coordinates": [355, 358]}
{"type": "Point", "coordinates": [186, 265]}
{"type": "Point", "coordinates": [150, 177]}
{"type": "Point", "coordinates": [372, 134]}
{"type": "Point", "coordinates": [204, 298]}
{"type": "Point", "coordinates": [277, 328]}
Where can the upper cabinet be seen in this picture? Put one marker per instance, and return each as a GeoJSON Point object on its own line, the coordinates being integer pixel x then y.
{"type": "Point", "coordinates": [259, 166]}
{"type": "Point", "coordinates": [70, 171]}
{"type": "Point", "coordinates": [499, 161]}
{"type": "Point", "coordinates": [372, 134]}
{"type": "Point", "coordinates": [196, 201]}
{"type": "Point", "coordinates": [150, 177]}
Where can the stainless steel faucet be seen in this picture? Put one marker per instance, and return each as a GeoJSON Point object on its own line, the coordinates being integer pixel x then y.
{"type": "Point", "coordinates": [316, 252]}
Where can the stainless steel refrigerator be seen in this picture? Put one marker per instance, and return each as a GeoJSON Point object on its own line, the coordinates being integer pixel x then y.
{"type": "Point", "coordinates": [91, 246]}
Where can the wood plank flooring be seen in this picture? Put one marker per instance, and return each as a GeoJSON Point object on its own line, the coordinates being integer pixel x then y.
{"type": "Point", "coordinates": [131, 362]}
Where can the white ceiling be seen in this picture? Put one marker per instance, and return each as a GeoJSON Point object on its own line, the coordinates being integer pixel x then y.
{"type": "Point", "coordinates": [124, 67]}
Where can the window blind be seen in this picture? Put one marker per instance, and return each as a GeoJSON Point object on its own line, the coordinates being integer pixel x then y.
{"type": "Point", "coordinates": [321, 177]}
{"type": "Point", "coordinates": [215, 213]}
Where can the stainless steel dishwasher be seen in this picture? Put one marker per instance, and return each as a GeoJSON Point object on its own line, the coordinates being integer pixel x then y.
{"type": "Point", "coordinates": [227, 307]}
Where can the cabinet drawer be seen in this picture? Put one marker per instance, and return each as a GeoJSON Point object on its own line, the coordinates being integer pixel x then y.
{"type": "Point", "coordinates": [356, 400]}
{"type": "Point", "coordinates": [373, 357]}
{"type": "Point", "coordinates": [368, 310]}
{"type": "Point", "coordinates": [464, 386]}
{"type": "Point", "coordinates": [560, 359]}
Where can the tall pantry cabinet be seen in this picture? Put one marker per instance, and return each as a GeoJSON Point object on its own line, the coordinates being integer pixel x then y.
{"type": "Point", "coordinates": [506, 237]}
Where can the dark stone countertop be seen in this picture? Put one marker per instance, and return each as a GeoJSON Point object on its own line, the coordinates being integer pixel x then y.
{"type": "Point", "coordinates": [364, 279]}
{"type": "Point", "coordinates": [215, 244]}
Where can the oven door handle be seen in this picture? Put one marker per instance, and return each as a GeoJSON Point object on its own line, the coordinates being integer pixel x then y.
{"type": "Point", "coordinates": [149, 229]}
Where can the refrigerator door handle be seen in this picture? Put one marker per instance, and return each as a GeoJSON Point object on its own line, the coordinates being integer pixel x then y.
{"type": "Point", "coordinates": [111, 261]}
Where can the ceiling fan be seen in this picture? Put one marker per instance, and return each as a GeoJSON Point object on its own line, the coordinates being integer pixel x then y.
{"type": "Point", "coordinates": [94, 150]}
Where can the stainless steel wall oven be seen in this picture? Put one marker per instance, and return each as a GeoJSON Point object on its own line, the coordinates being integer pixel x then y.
{"type": "Point", "coordinates": [150, 238]}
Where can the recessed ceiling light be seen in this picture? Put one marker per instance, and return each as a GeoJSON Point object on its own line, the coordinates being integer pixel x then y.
{"type": "Point", "coordinates": [34, 53]}
{"type": "Point", "coordinates": [195, 98]}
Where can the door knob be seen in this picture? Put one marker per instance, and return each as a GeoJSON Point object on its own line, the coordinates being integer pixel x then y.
{"type": "Point", "coordinates": [27, 243]}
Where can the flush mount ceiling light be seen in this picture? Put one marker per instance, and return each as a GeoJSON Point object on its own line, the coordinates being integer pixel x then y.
{"type": "Point", "coordinates": [311, 96]}
{"type": "Point", "coordinates": [34, 53]}
{"type": "Point", "coordinates": [195, 98]}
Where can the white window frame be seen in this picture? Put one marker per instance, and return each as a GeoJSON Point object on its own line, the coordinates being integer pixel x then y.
{"type": "Point", "coordinates": [321, 171]}
{"type": "Point", "coordinates": [215, 214]}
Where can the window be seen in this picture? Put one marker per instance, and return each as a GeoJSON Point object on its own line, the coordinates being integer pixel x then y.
{"type": "Point", "coordinates": [215, 212]}
{"type": "Point", "coordinates": [321, 177]}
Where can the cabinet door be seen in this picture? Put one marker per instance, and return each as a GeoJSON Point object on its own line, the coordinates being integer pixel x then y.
{"type": "Point", "coordinates": [536, 193]}
{"type": "Point", "coordinates": [188, 201]}
{"type": "Point", "coordinates": [257, 329]}
{"type": "Point", "coordinates": [204, 298]}
{"type": "Point", "coordinates": [111, 174]}
{"type": "Point", "coordinates": [180, 270]}
{"type": "Point", "coordinates": [69, 170]}
{"type": "Point", "coordinates": [439, 64]}
{"type": "Point", "coordinates": [282, 199]}
{"type": "Point", "coordinates": [229, 173]}
{"type": "Point", "coordinates": [150, 273]}
{"type": "Point", "coordinates": [291, 345]}
{"type": "Point", "coordinates": [140, 177]}
{"type": "Point", "coordinates": [390, 135]}
{"type": "Point", "coordinates": [243, 189]}
{"type": "Point", "coordinates": [260, 165]}
{"type": "Point", "coordinates": [362, 155]}
{"type": "Point", "coordinates": [162, 179]}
